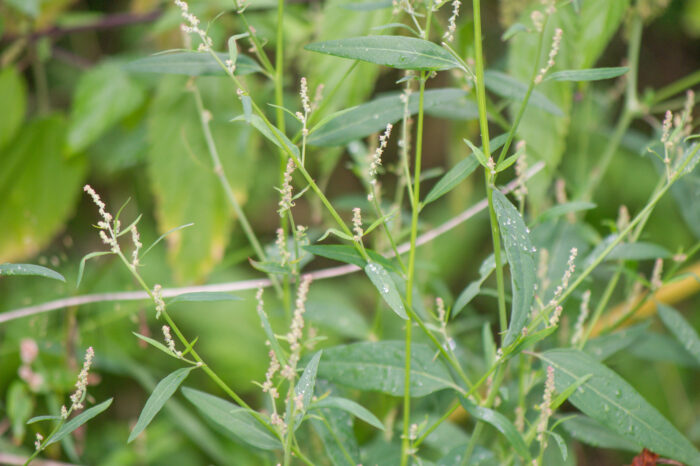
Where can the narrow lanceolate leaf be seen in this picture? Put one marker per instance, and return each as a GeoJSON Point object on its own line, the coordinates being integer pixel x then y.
{"type": "Point", "coordinates": [590, 74]}
{"type": "Point", "coordinates": [387, 288]}
{"type": "Point", "coordinates": [162, 393]}
{"type": "Point", "coordinates": [233, 419]}
{"type": "Point", "coordinates": [372, 117]}
{"type": "Point", "coordinates": [274, 135]}
{"type": "Point", "coordinates": [563, 209]}
{"type": "Point", "coordinates": [30, 269]}
{"type": "Point", "coordinates": [204, 296]}
{"type": "Point", "coordinates": [681, 329]}
{"type": "Point", "coordinates": [78, 421]}
{"type": "Point", "coordinates": [591, 432]}
{"type": "Point", "coordinates": [351, 407]}
{"type": "Point", "coordinates": [638, 251]}
{"type": "Point", "coordinates": [610, 400]}
{"type": "Point", "coordinates": [307, 382]}
{"type": "Point", "coordinates": [191, 64]}
{"type": "Point", "coordinates": [452, 178]}
{"type": "Point", "coordinates": [500, 422]}
{"type": "Point", "coordinates": [379, 366]}
{"type": "Point", "coordinates": [405, 53]}
{"type": "Point", "coordinates": [520, 253]}
{"type": "Point", "coordinates": [512, 89]}
{"type": "Point", "coordinates": [348, 254]}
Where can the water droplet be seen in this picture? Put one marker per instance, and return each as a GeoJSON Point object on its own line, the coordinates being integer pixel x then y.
{"type": "Point", "coordinates": [618, 393]}
{"type": "Point", "coordinates": [385, 289]}
{"type": "Point", "coordinates": [606, 408]}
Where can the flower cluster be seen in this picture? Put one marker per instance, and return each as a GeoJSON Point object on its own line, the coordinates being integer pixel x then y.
{"type": "Point", "coordinates": [583, 315]}
{"type": "Point", "coordinates": [546, 407]}
{"type": "Point", "coordinates": [570, 268]}
{"type": "Point", "coordinates": [357, 224]}
{"type": "Point", "coordinates": [192, 26]}
{"type": "Point", "coordinates": [286, 202]}
{"type": "Point", "coordinates": [81, 385]}
{"type": "Point", "coordinates": [158, 299]}
{"type": "Point", "coordinates": [108, 231]}
{"type": "Point", "coordinates": [556, 42]}
{"type": "Point", "coordinates": [521, 172]}
{"type": "Point", "coordinates": [281, 243]}
{"type": "Point", "coordinates": [170, 342]}
{"type": "Point", "coordinates": [376, 159]}
{"type": "Point", "coordinates": [449, 35]}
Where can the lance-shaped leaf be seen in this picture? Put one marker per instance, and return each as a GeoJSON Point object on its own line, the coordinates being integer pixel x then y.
{"type": "Point", "coordinates": [371, 117]}
{"type": "Point", "coordinates": [589, 74]}
{"type": "Point", "coordinates": [305, 385]}
{"type": "Point", "coordinates": [512, 89]}
{"type": "Point", "coordinates": [78, 421]}
{"type": "Point", "coordinates": [379, 366]}
{"type": "Point", "coordinates": [351, 407]}
{"type": "Point", "coordinates": [162, 393]}
{"type": "Point", "coordinates": [609, 399]}
{"type": "Point", "coordinates": [405, 53]}
{"type": "Point", "coordinates": [681, 329]}
{"type": "Point", "coordinates": [591, 432]}
{"type": "Point", "coordinates": [30, 269]}
{"type": "Point", "coordinates": [387, 288]}
{"type": "Point", "coordinates": [191, 64]}
{"type": "Point", "coordinates": [520, 253]}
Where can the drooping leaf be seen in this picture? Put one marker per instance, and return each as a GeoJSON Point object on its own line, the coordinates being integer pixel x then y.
{"type": "Point", "coordinates": [162, 393]}
{"type": "Point", "coordinates": [610, 400]}
{"type": "Point", "coordinates": [30, 269]}
{"type": "Point", "coordinates": [591, 432]}
{"type": "Point", "coordinates": [104, 96]}
{"type": "Point", "coordinates": [203, 296]}
{"type": "Point", "coordinates": [590, 74]}
{"type": "Point", "coordinates": [387, 288]}
{"type": "Point", "coordinates": [500, 422]}
{"type": "Point", "coordinates": [563, 209]}
{"type": "Point", "coordinates": [233, 419]}
{"type": "Point", "coordinates": [78, 421]}
{"type": "Point", "coordinates": [306, 383]}
{"type": "Point", "coordinates": [347, 254]}
{"type": "Point", "coordinates": [38, 188]}
{"type": "Point", "coordinates": [273, 135]}
{"type": "Point", "coordinates": [379, 366]}
{"type": "Point", "coordinates": [335, 428]}
{"type": "Point", "coordinates": [191, 64]}
{"type": "Point", "coordinates": [681, 329]}
{"type": "Point", "coordinates": [373, 116]}
{"type": "Point", "coordinates": [406, 53]}
{"type": "Point", "coordinates": [520, 253]}
{"type": "Point", "coordinates": [13, 101]}
{"type": "Point", "coordinates": [351, 407]}
{"type": "Point", "coordinates": [510, 88]}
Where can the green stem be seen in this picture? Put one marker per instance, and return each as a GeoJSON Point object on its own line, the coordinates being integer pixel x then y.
{"type": "Point", "coordinates": [676, 87]}
{"type": "Point", "coordinates": [497, 379]}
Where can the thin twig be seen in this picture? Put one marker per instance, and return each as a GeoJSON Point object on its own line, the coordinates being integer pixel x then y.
{"type": "Point", "coordinates": [254, 283]}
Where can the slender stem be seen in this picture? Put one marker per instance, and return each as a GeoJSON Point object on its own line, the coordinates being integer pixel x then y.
{"type": "Point", "coordinates": [42, 86]}
{"type": "Point", "coordinates": [676, 87]}
{"type": "Point", "coordinates": [228, 190]}
{"type": "Point", "coordinates": [497, 379]}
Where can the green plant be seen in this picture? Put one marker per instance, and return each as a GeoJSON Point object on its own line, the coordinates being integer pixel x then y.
{"type": "Point", "coordinates": [530, 387]}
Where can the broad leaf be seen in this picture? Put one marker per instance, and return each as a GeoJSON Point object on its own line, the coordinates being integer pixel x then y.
{"type": "Point", "coordinates": [406, 53]}
{"type": "Point", "coordinates": [191, 64]}
{"type": "Point", "coordinates": [38, 187]}
{"type": "Point", "coordinates": [351, 407]}
{"type": "Point", "coordinates": [162, 393]}
{"type": "Point", "coordinates": [590, 74]}
{"type": "Point", "coordinates": [387, 288]}
{"type": "Point", "coordinates": [520, 253]}
{"type": "Point", "coordinates": [591, 432]}
{"type": "Point", "coordinates": [78, 421]}
{"type": "Point", "coordinates": [30, 269]}
{"type": "Point", "coordinates": [373, 116]}
{"type": "Point", "coordinates": [104, 96]}
{"type": "Point", "coordinates": [500, 422]}
{"type": "Point", "coordinates": [605, 346]}
{"type": "Point", "coordinates": [335, 428]}
{"type": "Point", "coordinates": [379, 366]}
{"type": "Point", "coordinates": [232, 419]}
{"type": "Point", "coordinates": [607, 398]}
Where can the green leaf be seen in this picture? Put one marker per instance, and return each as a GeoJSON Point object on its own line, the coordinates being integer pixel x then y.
{"type": "Point", "coordinates": [563, 209]}
{"type": "Point", "coordinates": [607, 398]}
{"type": "Point", "coordinates": [38, 187]}
{"type": "Point", "coordinates": [472, 290]}
{"type": "Point", "coordinates": [451, 179]}
{"type": "Point", "coordinates": [512, 89]}
{"type": "Point", "coordinates": [335, 428]}
{"type": "Point", "coordinates": [591, 432]}
{"type": "Point", "coordinates": [236, 421]}
{"type": "Point", "coordinates": [387, 288]}
{"type": "Point", "coordinates": [19, 406]}
{"type": "Point", "coordinates": [155, 343]}
{"type": "Point", "coordinates": [500, 422]}
{"type": "Point", "coordinates": [561, 443]}
{"type": "Point", "coordinates": [270, 267]}
{"type": "Point", "coordinates": [87, 257]}
{"type": "Point", "coordinates": [590, 74]}
{"type": "Point", "coordinates": [638, 251]}
{"type": "Point", "coordinates": [305, 385]}
{"type": "Point", "coordinates": [13, 101]}
{"type": "Point", "coordinates": [379, 366]}
{"type": "Point", "coordinates": [681, 329]}
{"type": "Point", "coordinates": [46, 417]}
{"type": "Point", "coordinates": [605, 346]}
{"type": "Point", "coordinates": [178, 156]}
{"type": "Point", "coordinates": [347, 254]}
{"type": "Point", "coordinates": [478, 153]}
{"type": "Point", "coordinates": [274, 135]}
{"type": "Point", "coordinates": [103, 97]}
{"type": "Point", "coordinates": [520, 254]}
{"type": "Point", "coordinates": [652, 346]}
{"type": "Point", "coordinates": [30, 269]}
{"type": "Point", "coordinates": [405, 53]}
{"type": "Point", "coordinates": [372, 117]}
{"type": "Point", "coordinates": [568, 391]}
{"type": "Point", "coordinates": [191, 64]}
{"type": "Point", "coordinates": [78, 421]}
{"type": "Point", "coordinates": [162, 393]}
{"type": "Point", "coordinates": [351, 407]}
{"type": "Point", "coordinates": [203, 296]}
{"type": "Point", "coordinates": [270, 334]}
